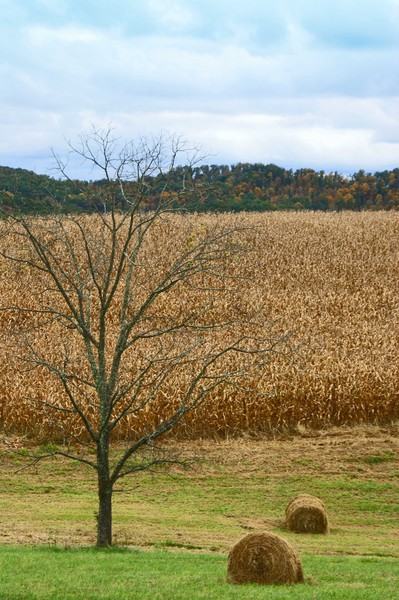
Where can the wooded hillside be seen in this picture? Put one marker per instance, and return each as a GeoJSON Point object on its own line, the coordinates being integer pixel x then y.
{"type": "Point", "coordinates": [240, 187]}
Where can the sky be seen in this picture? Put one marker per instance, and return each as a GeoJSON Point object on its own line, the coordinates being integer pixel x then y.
{"type": "Point", "coordinates": [298, 83]}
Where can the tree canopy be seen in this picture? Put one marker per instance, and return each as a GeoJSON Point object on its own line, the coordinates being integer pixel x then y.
{"type": "Point", "coordinates": [239, 187]}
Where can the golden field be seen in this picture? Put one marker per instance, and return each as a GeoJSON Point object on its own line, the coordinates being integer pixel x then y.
{"type": "Point", "coordinates": [329, 279]}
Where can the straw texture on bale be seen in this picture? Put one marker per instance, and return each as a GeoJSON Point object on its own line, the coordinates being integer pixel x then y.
{"type": "Point", "coordinates": [306, 514]}
{"type": "Point", "coordinates": [264, 558]}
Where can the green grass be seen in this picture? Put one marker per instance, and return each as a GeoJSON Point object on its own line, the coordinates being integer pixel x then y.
{"type": "Point", "coordinates": [377, 459]}
{"type": "Point", "coordinates": [59, 574]}
{"type": "Point", "coordinates": [198, 511]}
{"type": "Point", "coordinates": [174, 531]}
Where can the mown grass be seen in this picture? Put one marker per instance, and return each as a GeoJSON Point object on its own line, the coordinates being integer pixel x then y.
{"type": "Point", "coordinates": [173, 531]}
{"type": "Point", "coordinates": [232, 488]}
{"type": "Point", "coordinates": [59, 574]}
{"type": "Point", "coordinates": [196, 510]}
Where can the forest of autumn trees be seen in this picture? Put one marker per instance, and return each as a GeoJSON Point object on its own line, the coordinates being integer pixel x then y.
{"type": "Point", "coordinates": [240, 187]}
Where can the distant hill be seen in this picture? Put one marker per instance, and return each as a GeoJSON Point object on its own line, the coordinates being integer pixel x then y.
{"type": "Point", "coordinates": [32, 193]}
{"type": "Point", "coordinates": [244, 186]}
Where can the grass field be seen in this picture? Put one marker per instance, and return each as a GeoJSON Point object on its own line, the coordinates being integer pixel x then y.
{"type": "Point", "coordinates": [174, 530]}
{"type": "Point", "coordinates": [57, 574]}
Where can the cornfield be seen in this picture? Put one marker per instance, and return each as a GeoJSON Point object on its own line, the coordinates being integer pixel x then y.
{"type": "Point", "coordinates": [329, 280]}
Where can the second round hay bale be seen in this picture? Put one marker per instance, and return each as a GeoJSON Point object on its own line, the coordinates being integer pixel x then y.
{"type": "Point", "coordinates": [264, 558]}
{"type": "Point", "coordinates": [306, 514]}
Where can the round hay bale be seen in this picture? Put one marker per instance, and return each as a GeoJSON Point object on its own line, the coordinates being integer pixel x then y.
{"type": "Point", "coordinates": [306, 514]}
{"type": "Point", "coordinates": [264, 558]}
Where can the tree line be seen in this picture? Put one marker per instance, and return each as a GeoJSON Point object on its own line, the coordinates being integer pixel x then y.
{"type": "Point", "coordinates": [240, 187]}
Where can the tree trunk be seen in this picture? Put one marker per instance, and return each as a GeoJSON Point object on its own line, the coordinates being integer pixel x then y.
{"type": "Point", "coordinates": [104, 517]}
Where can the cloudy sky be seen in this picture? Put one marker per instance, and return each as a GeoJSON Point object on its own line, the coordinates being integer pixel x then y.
{"type": "Point", "coordinates": [301, 83]}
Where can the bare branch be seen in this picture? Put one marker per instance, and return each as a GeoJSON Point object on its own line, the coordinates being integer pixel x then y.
{"type": "Point", "coordinates": [121, 331]}
{"type": "Point", "coordinates": [37, 458]}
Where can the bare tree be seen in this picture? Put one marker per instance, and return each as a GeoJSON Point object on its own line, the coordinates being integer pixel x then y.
{"type": "Point", "coordinates": [117, 344]}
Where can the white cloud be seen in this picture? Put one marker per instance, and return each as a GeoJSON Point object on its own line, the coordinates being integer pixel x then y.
{"type": "Point", "coordinates": [288, 141]}
{"type": "Point", "coordinates": [40, 36]}
{"type": "Point", "coordinates": [289, 82]}
{"type": "Point", "coordinates": [172, 14]}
